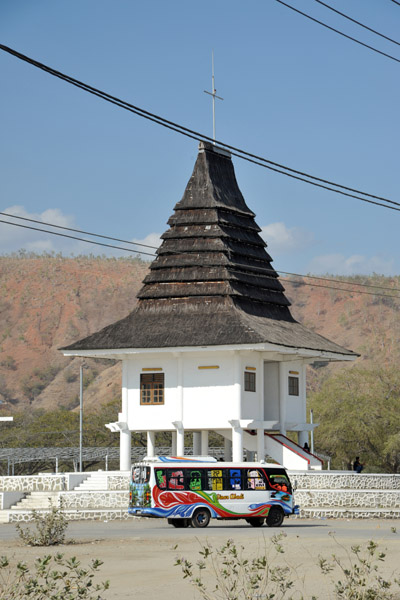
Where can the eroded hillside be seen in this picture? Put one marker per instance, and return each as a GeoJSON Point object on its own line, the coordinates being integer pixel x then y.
{"type": "Point", "coordinates": [49, 301]}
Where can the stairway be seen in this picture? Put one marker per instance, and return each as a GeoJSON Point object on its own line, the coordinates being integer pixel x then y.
{"type": "Point", "coordinates": [37, 501]}
{"type": "Point", "coordinates": [97, 481]}
{"type": "Point", "coordinates": [280, 449]}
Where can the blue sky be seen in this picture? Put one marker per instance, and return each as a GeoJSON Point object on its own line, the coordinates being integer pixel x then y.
{"type": "Point", "coordinates": [293, 92]}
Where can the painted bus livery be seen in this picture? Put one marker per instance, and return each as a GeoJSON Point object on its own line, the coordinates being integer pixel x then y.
{"type": "Point", "coordinates": [191, 492]}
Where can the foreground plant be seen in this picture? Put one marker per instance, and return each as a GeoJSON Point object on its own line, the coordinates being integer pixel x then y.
{"type": "Point", "coordinates": [359, 576]}
{"type": "Point", "coordinates": [49, 528]}
{"type": "Point", "coordinates": [233, 576]}
{"type": "Point", "coordinates": [51, 577]}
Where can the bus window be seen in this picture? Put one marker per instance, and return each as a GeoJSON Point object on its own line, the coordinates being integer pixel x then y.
{"type": "Point", "coordinates": [140, 474]}
{"type": "Point", "coordinates": [235, 479]}
{"type": "Point", "coordinates": [176, 480]}
{"type": "Point", "coordinates": [215, 481]}
{"type": "Point", "coordinates": [255, 480]}
{"type": "Point", "coordinates": [279, 482]}
{"type": "Point", "coordinates": [193, 480]}
{"type": "Point", "coordinates": [161, 479]}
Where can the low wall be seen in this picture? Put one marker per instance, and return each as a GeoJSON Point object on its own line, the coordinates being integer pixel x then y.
{"type": "Point", "coordinates": [94, 500]}
{"type": "Point", "coordinates": [326, 480]}
{"type": "Point", "coordinates": [347, 498]}
{"type": "Point", "coordinates": [41, 482]}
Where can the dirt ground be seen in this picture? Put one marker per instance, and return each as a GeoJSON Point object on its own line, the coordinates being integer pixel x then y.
{"type": "Point", "coordinates": [139, 555]}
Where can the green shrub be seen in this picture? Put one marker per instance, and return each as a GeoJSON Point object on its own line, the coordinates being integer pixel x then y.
{"type": "Point", "coordinates": [49, 528]}
{"type": "Point", "coordinates": [53, 577]}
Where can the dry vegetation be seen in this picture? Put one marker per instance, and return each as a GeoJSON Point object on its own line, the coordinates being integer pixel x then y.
{"type": "Point", "coordinates": [50, 301]}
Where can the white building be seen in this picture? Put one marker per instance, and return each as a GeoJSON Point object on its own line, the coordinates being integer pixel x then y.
{"type": "Point", "coordinates": [211, 344]}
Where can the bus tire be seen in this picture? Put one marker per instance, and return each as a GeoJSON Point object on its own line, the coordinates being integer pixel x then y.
{"type": "Point", "coordinates": [255, 521]}
{"type": "Point", "coordinates": [178, 522]}
{"type": "Point", "coordinates": [275, 517]}
{"type": "Point", "coordinates": [201, 517]}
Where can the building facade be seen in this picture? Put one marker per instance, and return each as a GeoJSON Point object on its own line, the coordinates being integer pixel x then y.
{"type": "Point", "coordinates": [211, 344]}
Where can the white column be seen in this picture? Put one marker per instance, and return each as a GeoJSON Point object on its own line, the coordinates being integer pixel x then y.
{"type": "Point", "coordinates": [125, 450]}
{"type": "Point", "coordinates": [196, 443]}
{"type": "Point", "coordinates": [151, 443]}
{"type": "Point", "coordinates": [302, 438]}
{"type": "Point", "coordinates": [204, 443]}
{"type": "Point", "coordinates": [260, 445]}
{"type": "Point", "coordinates": [227, 450]}
{"type": "Point", "coordinates": [283, 384]}
{"type": "Point", "coordinates": [173, 444]}
{"type": "Point", "coordinates": [125, 434]}
{"type": "Point", "coordinates": [180, 442]}
{"type": "Point", "coordinates": [237, 444]}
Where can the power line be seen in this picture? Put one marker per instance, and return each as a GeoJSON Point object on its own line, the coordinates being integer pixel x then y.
{"type": "Point", "coordinates": [358, 22]}
{"type": "Point", "coordinates": [73, 237]}
{"type": "Point", "coordinates": [349, 37]}
{"type": "Point", "coordinates": [258, 160]}
{"type": "Point", "coordinates": [259, 270]}
{"type": "Point", "coordinates": [106, 237]}
{"type": "Point", "coordinates": [395, 2]}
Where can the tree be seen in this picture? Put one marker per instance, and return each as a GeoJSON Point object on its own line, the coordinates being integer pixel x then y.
{"type": "Point", "coordinates": [358, 412]}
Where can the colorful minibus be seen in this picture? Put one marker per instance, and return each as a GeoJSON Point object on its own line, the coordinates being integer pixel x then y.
{"type": "Point", "coordinates": [191, 491]}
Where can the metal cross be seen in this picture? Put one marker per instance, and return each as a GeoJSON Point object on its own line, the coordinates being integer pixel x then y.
{"type": "Point", "coordinates": [214, 95]}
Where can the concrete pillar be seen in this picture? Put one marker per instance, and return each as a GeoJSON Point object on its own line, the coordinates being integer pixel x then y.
{"type": "Point", "coordinates": [180, 442]}
{"type": "Point", "coordinates": [260, 445]}
{"type": "Point", "coordinates": [237, 442]}
{"type": "Point", "coordinates": [173, 444]}
{"type": "Point", "coordinates": [227, 450]}
{"type": "Point", "coordinates": [151, 443]}
{"type": "Point", "coordinates": [125, 450]}
{"type": "Point", "coordinates": [204, 443]}
{"type": "Point", "coordinates": [196, 443]}
{"type": "Point", "coordinates": [302, 438]}
{"type": "Point", "coordinates": [283, 384]}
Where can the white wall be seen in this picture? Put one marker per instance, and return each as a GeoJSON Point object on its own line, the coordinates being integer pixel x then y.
{"type": "Point", "coordinates": [210, 398]}
{"type": "Point", "coordinates": [271, 391]}
{"type": "Point", "coordinates": [208, 393]}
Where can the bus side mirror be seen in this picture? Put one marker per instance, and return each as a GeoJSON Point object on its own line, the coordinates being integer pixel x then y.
{"type": "Point", "coordinates": [295, 485]}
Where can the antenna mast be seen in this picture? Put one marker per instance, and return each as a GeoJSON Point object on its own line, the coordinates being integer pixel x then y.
{"type": "Point", "coordinates": [213, 93]}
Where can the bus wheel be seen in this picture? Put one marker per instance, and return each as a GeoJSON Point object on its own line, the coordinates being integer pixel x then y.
{"type": "Point", "coordinates": [275, 517]}
{"type": "Point", "coordinates": [178, 522]}
{"type": "Point", "coordinates": [255, 521]}
{"type": "Point", "coordinates": [201, 517]}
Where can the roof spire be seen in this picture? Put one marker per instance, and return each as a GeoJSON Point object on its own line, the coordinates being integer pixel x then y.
{"type": "Point", "coordinates": [213, 94]}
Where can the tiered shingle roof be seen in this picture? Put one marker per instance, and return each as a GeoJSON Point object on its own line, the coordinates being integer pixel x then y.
{"type": "Point", "coordinates": [212, 282]}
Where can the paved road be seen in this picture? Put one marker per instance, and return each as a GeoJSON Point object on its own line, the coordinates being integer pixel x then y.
{"type": "Point", "coordinates": [159, 529]}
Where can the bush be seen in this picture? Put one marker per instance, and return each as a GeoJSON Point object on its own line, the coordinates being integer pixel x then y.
{"type": "Point", "coordinates": [359, 577]}
{"type": "Point", "coordinates": [237, 577]}
{"type": "Point", "coordinates": [50, 528]}
{"type": "Point", "coordinates": [52, 577]}
{"type": "Point", "coordinates": [226, 573]}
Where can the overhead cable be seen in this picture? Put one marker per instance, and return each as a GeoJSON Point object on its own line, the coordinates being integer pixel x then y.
{"type": "Point", "coordinates": [73, 237]}
{"type": "Point", "coordinates": [106, 237]}
{"type": "Point", "coordinates": [315, 277]}
{"type": "Point", "coordinates": [358, 22]}
{"type": "Point", "coordinates": [349, 37]}
{"type": "Point", "coordinates": [258, 160]}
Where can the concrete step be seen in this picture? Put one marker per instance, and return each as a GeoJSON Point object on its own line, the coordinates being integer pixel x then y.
{"type": "Point", "coordinates": [36, 501]}
{"type": "Point", "coordinates": [96, 481]}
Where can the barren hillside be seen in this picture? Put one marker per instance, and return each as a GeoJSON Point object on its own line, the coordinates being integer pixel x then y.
{"type": "Point", "coordinates": [49, 301]}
